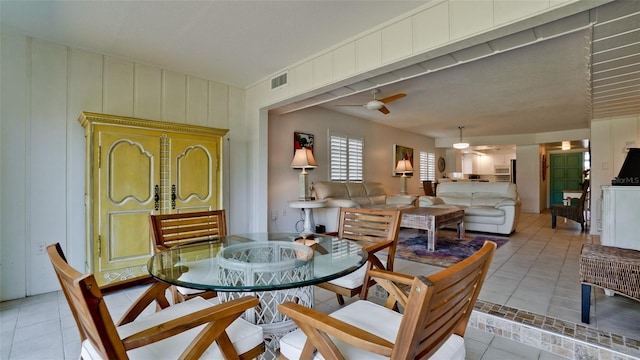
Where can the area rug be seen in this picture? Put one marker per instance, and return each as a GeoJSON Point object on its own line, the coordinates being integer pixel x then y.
{"type": "Point", "coordinates": [449, 249]}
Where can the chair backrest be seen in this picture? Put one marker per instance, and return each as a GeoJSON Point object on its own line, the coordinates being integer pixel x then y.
{"type": "Point", "coordinates": [583, 196]}
{"type": "Point", "coordinates": [373, 225]}
{"type": "Point", "coordinates": [427, 186]}
{"type": "Point", "coordinates": [440, 305]}
{"type": "Point", "coordinates": [174, 229]}
{"type": "Point", "coordinates": [87, 306]}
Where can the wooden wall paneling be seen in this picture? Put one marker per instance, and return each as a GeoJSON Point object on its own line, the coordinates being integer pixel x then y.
{"type": "Point", "coordinates": [508, 11]}
{"type": "Point", "coordinates": [174, 90]}
{"type": "Point", "coordinates": [147, 92]}
{"type": "Point", "coordinates": [13, 156]}
{"type": "Point", "coordinates": [431, 28]}
{"type": "Point", "coordinates": [118, 87]}
{"type": "Point", "coordinates": [368, 52]}
{"type": "Point", "coordinates": [85, 94]}
{"type": "Point", "coordinates": [47, 171]}
{"type": "Point", "coordinates": [469, 17]}
{"type": "Point", "coordinates": [322, 70]}
{"type": "Point", "coordinates": [218, 105]}
{"type": "Point", "coordinates": [397, 41]}
{"type": "Point", "coordinates": [197, 100]}
{"type": "Point", "coordinates": [301, 77]}
{"type": "Point", "coordinates": [344, 61]}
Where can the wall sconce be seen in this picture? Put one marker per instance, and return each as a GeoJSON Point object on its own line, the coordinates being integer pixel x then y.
{"type": "Point", "coordinates": [566, 145]}
{"type": "Point", "coordinates": [303, 159]}
{"type": "Point", "coordinates": [404, 166]}
{"type": "Point", "coordinates": [461, 145]}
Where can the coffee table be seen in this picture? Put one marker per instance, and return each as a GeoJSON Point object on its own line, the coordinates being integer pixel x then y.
{"type": "Point", "coordinates": [431, 219]}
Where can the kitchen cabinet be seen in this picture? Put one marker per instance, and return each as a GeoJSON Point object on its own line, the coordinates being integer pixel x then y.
{"type": "Point", "coordinates": [135, 168]}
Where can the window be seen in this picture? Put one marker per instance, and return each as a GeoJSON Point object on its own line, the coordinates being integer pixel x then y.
{"type": "Point", "coordinates": [346, 158]}
{"type": "Point", "coordinates": [427, 166]}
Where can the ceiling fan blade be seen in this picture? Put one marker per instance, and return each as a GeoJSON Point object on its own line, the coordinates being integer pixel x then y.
{"type": "Point", "coordinates": [384, 110]}
{"type": "Point", "coordinates": [393, 98]}
{"type": "Point", "coordinates": [348, 105]}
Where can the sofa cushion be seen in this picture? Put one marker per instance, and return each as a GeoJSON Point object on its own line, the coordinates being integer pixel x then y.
{"type": "Point", "coordinates": [327, 190]}
{"type": "Point", "coordinates": [358, 193]}
{"type": "Point", "coordinates": [453, 198]}
{"type": "Point", "coordinates": [375, 192]}
{"type": "Point", "coordinates": [483, 211]}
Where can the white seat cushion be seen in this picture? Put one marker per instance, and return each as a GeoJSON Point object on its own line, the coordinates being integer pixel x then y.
{"type": "Point", "coordinates": [351, 280]}
{"type": "Point", "coordinates": [375, 319]}
{"type": "Point", "coordinates": [243, 335]}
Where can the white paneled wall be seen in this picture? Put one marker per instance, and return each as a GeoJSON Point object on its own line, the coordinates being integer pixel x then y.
{"type": "Point", "coordinates": [608, 138]}
{"type": "Point", "coordinates": [45, 86]}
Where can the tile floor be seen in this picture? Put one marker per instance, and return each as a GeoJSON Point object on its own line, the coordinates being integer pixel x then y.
{"type": "Point", "coordinates": [534, 276]}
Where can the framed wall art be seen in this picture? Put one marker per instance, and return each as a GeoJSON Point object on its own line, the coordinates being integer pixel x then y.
{"type": "Point", "coordinates": [402, 153]}
{"type": "Point", "coordinates": [302, 140]}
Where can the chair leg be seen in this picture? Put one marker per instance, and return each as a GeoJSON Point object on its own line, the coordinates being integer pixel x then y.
{"type": "Point", "coordinates": [553, 221]}
{"type": "Point", "coordinates": [340, 299]}
{"type": "Point", "coordinates": [586, 302]}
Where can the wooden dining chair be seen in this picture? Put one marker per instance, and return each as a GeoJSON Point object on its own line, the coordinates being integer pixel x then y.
{"type": "Point", "coordinates": [436, 310]}
{"type": "Point", "coordinates": [170, 230]}
{"type": "Point", "coordinates": [217, 331]}
{"type": "Point", "coordinates": [381, 228]}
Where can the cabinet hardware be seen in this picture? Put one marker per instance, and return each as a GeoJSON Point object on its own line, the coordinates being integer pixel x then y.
{"type": "Point", "coordinates": [173, 196]}
{"type": "Point", "coordinates": [156, 198]}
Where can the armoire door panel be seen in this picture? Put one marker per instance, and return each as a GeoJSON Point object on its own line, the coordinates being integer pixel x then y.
{"type": "Point", "coordinates": [128, 170]}
{"type": "Point", "coordinates": [126, 158]}
{"type": "Point", "coordinates": [127, 240]}
{"type": "Point", "coordinates": [195, 171]}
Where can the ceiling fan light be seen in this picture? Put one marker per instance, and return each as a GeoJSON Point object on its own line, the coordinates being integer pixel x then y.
{"type": "Point", "coordinates": [374, 105]}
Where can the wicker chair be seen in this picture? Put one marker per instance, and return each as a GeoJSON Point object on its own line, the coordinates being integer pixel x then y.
{"type": "Point", "coordinates": [572, 212]}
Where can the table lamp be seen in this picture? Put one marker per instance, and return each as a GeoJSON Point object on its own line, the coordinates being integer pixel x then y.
{"type": "Point", "coordinates": [404, 166]}
{"type": "Point", "coordinates": [303, 159]}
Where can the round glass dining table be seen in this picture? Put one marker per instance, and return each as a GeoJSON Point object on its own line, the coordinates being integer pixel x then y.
{"type": "Point", "coordinates": [274, 267]}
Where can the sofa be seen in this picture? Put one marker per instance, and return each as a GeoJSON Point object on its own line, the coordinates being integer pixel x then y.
{"type": "Point", "coordinates": [357, 195]}
{"type": "Point", "coordinates": [488, 206]}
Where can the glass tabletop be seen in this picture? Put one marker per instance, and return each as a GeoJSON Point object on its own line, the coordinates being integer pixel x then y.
{"type": "Point", "coordinates": [258, 262]}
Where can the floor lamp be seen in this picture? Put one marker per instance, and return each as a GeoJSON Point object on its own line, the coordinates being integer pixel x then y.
{"type": "Point", "coordinates": [404, 166]}
{"type": "Point", "coordinates": [303, 159]}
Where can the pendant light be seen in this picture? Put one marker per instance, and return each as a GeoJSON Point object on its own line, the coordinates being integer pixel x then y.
{"type": "Point", "coordinates": [461, 145]}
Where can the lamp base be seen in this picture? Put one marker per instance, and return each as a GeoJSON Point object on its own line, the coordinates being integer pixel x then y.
{"type": "Point", "coordinates": [303, 186]}
{"type": "Point", "coordinates": [403, 184]}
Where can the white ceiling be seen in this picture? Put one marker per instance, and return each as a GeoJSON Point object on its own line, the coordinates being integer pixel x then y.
{"type": "Point", "coordinates": [550, 78]}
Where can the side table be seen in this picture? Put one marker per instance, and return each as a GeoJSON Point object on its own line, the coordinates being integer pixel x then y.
{"type": "Point", "coordinates": [307, 206]}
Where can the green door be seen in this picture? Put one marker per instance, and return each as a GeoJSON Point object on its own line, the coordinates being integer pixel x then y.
{"type": "Point", "coordinates": [566, 174]}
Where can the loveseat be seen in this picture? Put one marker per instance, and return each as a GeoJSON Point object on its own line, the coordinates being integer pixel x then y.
{"type": "Point", "coordinates": [488, 206]}
{"type": "Point", "coordinates": [358, 195]}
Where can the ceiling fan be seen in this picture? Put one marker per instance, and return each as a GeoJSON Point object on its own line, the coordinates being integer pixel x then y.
{"type": "Point", "coordinates": [379, 104]}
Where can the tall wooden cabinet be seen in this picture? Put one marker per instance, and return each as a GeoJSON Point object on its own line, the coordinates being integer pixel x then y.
{"type": "Point", "coordinates": [135, 168]}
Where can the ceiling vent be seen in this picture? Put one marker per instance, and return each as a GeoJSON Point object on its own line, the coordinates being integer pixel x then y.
{"type": "Point", "coordinates": [279, 80]}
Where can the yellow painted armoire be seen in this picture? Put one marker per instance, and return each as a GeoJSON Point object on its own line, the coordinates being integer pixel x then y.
{"type": "Point", "coordinates": [135, 168]}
